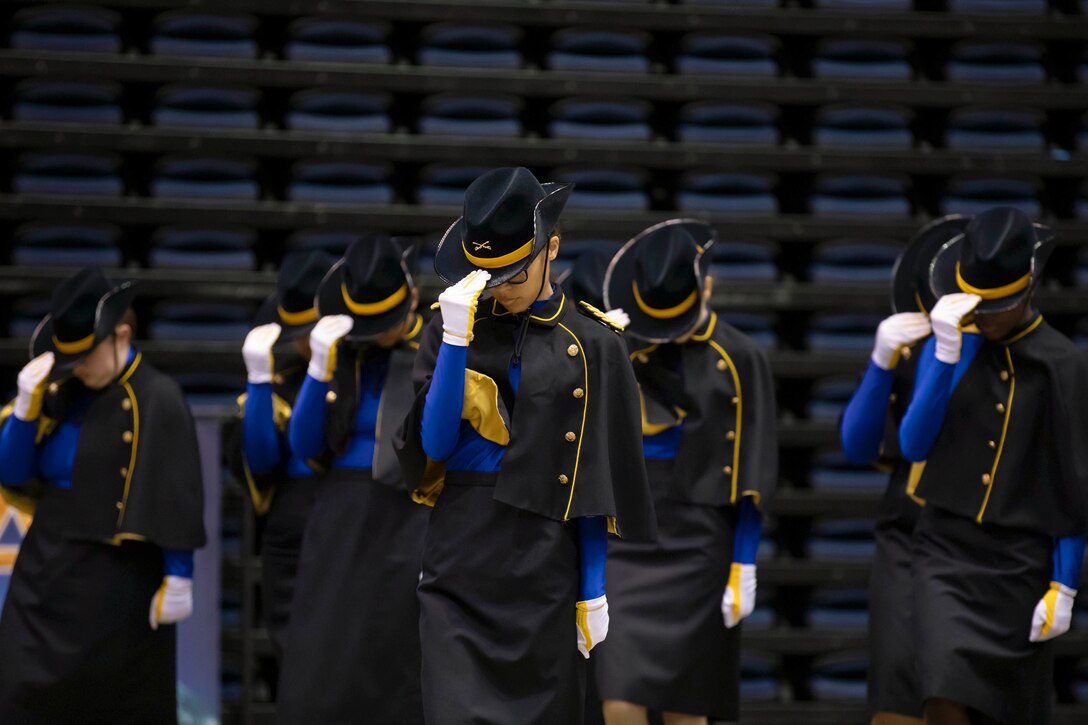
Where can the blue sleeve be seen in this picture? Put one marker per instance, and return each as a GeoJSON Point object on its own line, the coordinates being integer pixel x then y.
{"type": "Point", "coordinates": [18, 451]}
{"type": "Point", "coordinates": [1068, 559]}
{"type": "Point", "coordinates": [863, 420]}
{"type": "Point", "coordinates": [445, 400]}
{"type": "Point", "coordinates": [919, 428]}
{"type": "Point", "coordinates": [306, 432]}
{"type": "Point", "coordinates": [749, 529]}
{"type": "Point", "coordinates": [177, 562]}
{"type": "Point", "coordinates": [592, 553]}
{"type": "Point", "coordinates": [261, 440]}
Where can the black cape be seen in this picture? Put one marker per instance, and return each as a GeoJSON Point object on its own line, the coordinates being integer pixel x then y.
{"type": "Point", "coordinates": [575, 445]}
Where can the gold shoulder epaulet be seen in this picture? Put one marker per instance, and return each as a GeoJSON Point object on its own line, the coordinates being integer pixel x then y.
{"type": "Point", "coordinates": [593, 313]}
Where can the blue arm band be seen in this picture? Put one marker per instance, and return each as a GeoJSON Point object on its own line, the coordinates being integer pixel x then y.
{"type": "Point", "coordinates": [863, 420]}
{"type": "Point", "coordinates": [176, 562]}
{"type": "Point", "coordinates": [306, 431]}
{"type": "Point", "coordinates": [920, 426]}
{"type": "Point", "coordinates": [1068, 559]}
{"type": "Point", "coordinates": [445, 400]}
{"type": "Point", "coordinates": [18, 451]}
{"type": "Point", "coordinates": [592, 552]}
{"type": "Point", "coordinates": [261, 440]}
{"type": "Point", "coordinates": [749, 529]}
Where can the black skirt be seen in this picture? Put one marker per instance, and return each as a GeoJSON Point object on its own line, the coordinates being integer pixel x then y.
{"type": "Point", "coordinates": [975, 589]}
{"type": "Point", "coordinates": [281, 543]}
{"type": "Point", "coordinates": [75, 642]}
{"type": "Point", "coordinates": [893, 674]}
{"type": "Point", "coordinates": [352, 652]}
{"type": "Point", "coordinates": [667, 647]}
{"type": "Point", "coordinates": [497, 604]}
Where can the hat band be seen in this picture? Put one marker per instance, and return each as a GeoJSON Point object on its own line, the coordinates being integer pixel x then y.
{"type": "Point", "coordinates": [297, 318]}
{"type": "Point", "coordinates": [72, 348]}
{"type": "Point", "coordinates": [374, 308]}
{"type": "Point", "coordinates": [666, 313]}
{"type": "Point", "coordinates": [992, 293]}
{"type": "Point", "coordinates": [493, 262]}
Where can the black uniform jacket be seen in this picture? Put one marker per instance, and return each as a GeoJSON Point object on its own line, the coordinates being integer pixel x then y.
{"type": "Point", "coordinates": [898, 502]}
{"type": "Point", "coordinates": [137, 468]}
{"type": "Point", "coordinates": [575, 447]}
{"type": "Point", "coordinates": [1013, 448]}
{"type": "Point", "coordinates": [719, 383]}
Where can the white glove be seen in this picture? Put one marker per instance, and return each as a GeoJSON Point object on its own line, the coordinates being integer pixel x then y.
{"type": "Point", "coordinates": [1053, 613]}
{"type": "Point", "coordinates": [592, 621]}
{"type": "Point", "coordinates": [324, 339]}
{"type": "Point", "coordinates": [740, 594]}
{"type": "Point", "coordinates": [458, 305]}
{"type": "Point", "coordinates": [173, 601]}
{"type": "Point", "coordinates": [33, 379]}
{"type": "Point", "coordinates": [947, 320]}
{"type": "Point", "coordinates": [895, 333]}
{"type": "Point", "coordinates": [257, 352]}
{"type": "Point", "coordinates": [618, 317]}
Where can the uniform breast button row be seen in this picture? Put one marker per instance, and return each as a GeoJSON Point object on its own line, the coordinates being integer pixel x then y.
{"type": "Point", "coordinates": [720, 365]}
{"type": "Point", "coordinates": [330, 397]}
{"type": "Point", "coordinates": [120, 505]}
{"type": "Point", "coordinates": [1004, 375]}
{"type": "Point", "coordinates": [126, 404]}
{"type": "Point", "coordinates": [727, 470]}
{"type": "Point", "coordinates": [735, 400]}
{"type": "Point", "coordinates": [124, 471]}
{"type": "Point", "coordinates": [1000, 407]}
{"type": "Point", "coordinates": [127, 436]}
{"type": "Point", "coordinates": [731, 435]}
{"type": "Point", "coordinates": [985, 479]}
{"type": "Point", "coordinates": [578, 393]}
{"type": "Point", "coordinates": [572, 350]}
{"type": "Point", "coordinates": [570, 436]}
{"type": "Point", "coordinates": [992, 444]}
{"type": "Point", "coordinates": [563, 479]}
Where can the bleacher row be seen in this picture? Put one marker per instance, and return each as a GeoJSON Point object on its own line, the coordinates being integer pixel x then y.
{"type": "Point", "coordinates": [193, 150]}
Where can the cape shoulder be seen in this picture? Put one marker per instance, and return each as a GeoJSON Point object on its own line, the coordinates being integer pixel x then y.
{"type": "Point", "coordinates": [595, 314]}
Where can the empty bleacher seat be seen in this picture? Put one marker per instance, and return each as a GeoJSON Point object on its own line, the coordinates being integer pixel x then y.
{"type": "Point", "coordinates": [212, 388]}
{"type": "Point", "coordinates": [864, 5]}
{"type": "Point", "coordinates": [854, 260]}
{"type": "Point", "coordinates": [182, 320]}
{"type": "Point", "coordinates": [840, 676]}
{"type": "Point", "coordinates": [599, 49]}
{"type": "Point", "coordinates": [973, 195]}
{"type": "Point", "coordinates": [616, 120]}
{"type": "Point", "coordinates": [455, 44]}
{"type": "Point", "coordinates": [829, 397]}
{"type": "Point", "coordinates": [1080, 671]}
{"type": "Point", "coordinates": [1080, 337]}
{"type": "Point", "coordinates": [445, 184]}
{"type": "Point", "coordinates": [831, 470]}
{"type": "Point", "coordinates": [757, 325]}
{"type": "Point", "coordinates": [26, 315]}
{"type": "Point", "coordinates": [1011, 7]}
{"type": "Point", "coordinates": [1082, 133]}
{"type": "Point", "coordinates": [839, 608]}
{"type": "Point", "coordinates": [331, 240]}
{"type": "Point", "coordinates": [207, 106]}
{"type": "Point", "coordinates": [862, 58]}
{"type": "Point", "coordinates": [727, 191]}
{"type": "Point", "coordinates": [996, 129]}
{"type": "Point", "coordinates": [339, 110]}
{"type": "Point", "coordinates": [710, 52]}
{"type": "Point", "coordinates": [477, 115]}
{"type": "Point", "coordinates": [202, 248]}
{"type": "Point", "coordinates": [835, 331]}
{"type": "Point", "coordinates": [68, 245]}
{"type": "Point", "coordinates": [200, 34]}
{"type": "Point", "coordinates": [860, 194]}
{"type": "Point", "coordinates": [611, 188]}
{"type": "Point", "coordinates": [66, 28]}
{"type": "Point", "coordinates": [978, 62]}
{"type": "Point", "coordinates": [340, 182]}
{"type": "Point", "coordinates": [67, 102]}
{"type": "Point", "coordinates": [869, 126]}
{"type": "Point", "coordinates": [337, 39]}
{"type": "Point", "coordinates": [842, 539]}
{"type": "Point", "coordinates": [1080, 206]}
{"type": "Point", "coordinates": [732, 3]}
{"type": "Point", "coordinates": [758, 676]}
{"type": "Point", "coordinates": [202, 177]}
{"type": "Point", "coordinates": [717, 122]}
{"type": "Point", "coordinates": [1080, 274]}
{"type": "Point", "coordinates": [68, 173]}
{"type": "Point", "coordinates": [750, 261]}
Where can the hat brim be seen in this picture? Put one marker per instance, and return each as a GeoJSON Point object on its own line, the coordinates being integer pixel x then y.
{"type": "Point", "coordinates": [942, 271]}
{"type": "Point", "coordinates": [451, 264]}
{"type": "Point", "coordinates": [269, 312]}
{"type": "Point", "coordinates": [919, 252]}
{"type": "Point", "coordinates": [619, 287]}
{"type": "Point", "coordinates": [330, 301]}
{"type": "Point", "coordinates": [112, 308]}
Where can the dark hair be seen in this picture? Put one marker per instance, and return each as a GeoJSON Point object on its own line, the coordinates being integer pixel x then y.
{"type": "Point", "coordinates": [129, 318]}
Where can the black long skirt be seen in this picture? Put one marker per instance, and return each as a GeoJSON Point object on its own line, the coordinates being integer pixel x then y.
{"type": "Point", "coordinates": [893, 673]}
{"type": "Point", "coordinates": [352, 651]}
{"type": "Point", "coordinates": [975, 589]}
{"type": "Point", "coordinates": [75, 642]}
{"type": "Point", "coordinates": [667, 647]}
{"type": "Point", "coordinates": [497, 604]}
{"type": "Point", "coordinates": [281, 543]}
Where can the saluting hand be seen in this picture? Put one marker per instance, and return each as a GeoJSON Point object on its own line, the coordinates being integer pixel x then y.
{"type": "Point", "coordinates": [32, 383]}
{"type": "Point", "coordinates": [947, 319]}
{"type": "Point", "coordinates": [1053, 614]}
{"type": "Point", "coordinates": [895, 333]}
{"type": "Point", "coordinates": [257, 352]}
{"type": "Point", "coordinates": [458, 305]}
{"type": "Point", "coordinates": [172, 602]}
{"type": "Point", "coordinates": [592, 620]}
{"type": "Point", "coordinates": [324, 340]}
{"type": "Point", "coordinates": [740, 594]}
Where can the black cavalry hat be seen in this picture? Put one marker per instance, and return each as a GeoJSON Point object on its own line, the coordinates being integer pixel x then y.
{"type": "Point", "coordinates": [586, 280]}
{"type": "Point", "coordinates": [508, 218]}
{"type": "Point", "coordinates": [911, 291]}
{"type": "Point", "coordinates": [658, 278]}
{"type": "Point", "coordinates": [371, 284]}
{"type": "Point", "coordinates": [83, 312]}
{"type": "Point", "coordinates": [293, 305]}
{"type": "Point", "coordinates": [999, 257]}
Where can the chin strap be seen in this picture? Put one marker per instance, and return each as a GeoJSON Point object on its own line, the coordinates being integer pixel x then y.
{"type": "Point", "coordinates": [523, 322]}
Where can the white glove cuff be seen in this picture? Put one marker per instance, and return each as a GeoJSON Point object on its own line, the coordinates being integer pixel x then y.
{"type": "Point", "coordinates": [453, 338]}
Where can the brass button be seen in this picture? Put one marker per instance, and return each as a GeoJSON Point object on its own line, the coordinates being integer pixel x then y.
{"type": "Point", "coordinates": [1004, 375]}
{"type": "Point", "coordinates": [727, 470]}
{"type": "Point", "coordinates": [578, 393]}
{"type": "Point", "coordinates": [720, 364]}
{"type": "Point", "coordinates": [563, 479]}
{"type": "Point", "coordinates": [53, 388]}
{"type": "Point", "coordinates": [572, 350]}
{"type": "Point", "coordinates": [735, 400]}
{"type": "Point", "coordinates": [905, 353]}
{"type": "Point", "coordinates": [330, 397]}
{"type": "Point", "coordinates": [992, 444]}
{"type": "Point", "coordinates": [570, 436]}
{"type": "Point", "coordinates": [1000, 407]}
{"type": "Point", "coordinates": [985, 479]}
{"type": "Point", "coordinates": [642, 358]}
{"type": "Point", "coordinates": [731, 435]}
{"type": "Point", "coordinates": [124, 471]}
{"type": "Point", "coordinates": [126, 404]}
{"type": "Point", "coordinates": [120, 505]}
{"type": "Point", "coordinates": [892, 398]}
{"type": "Point", "coordinates": [277, 379]}
{"type": "Point", "coordinates": [127, 436]}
